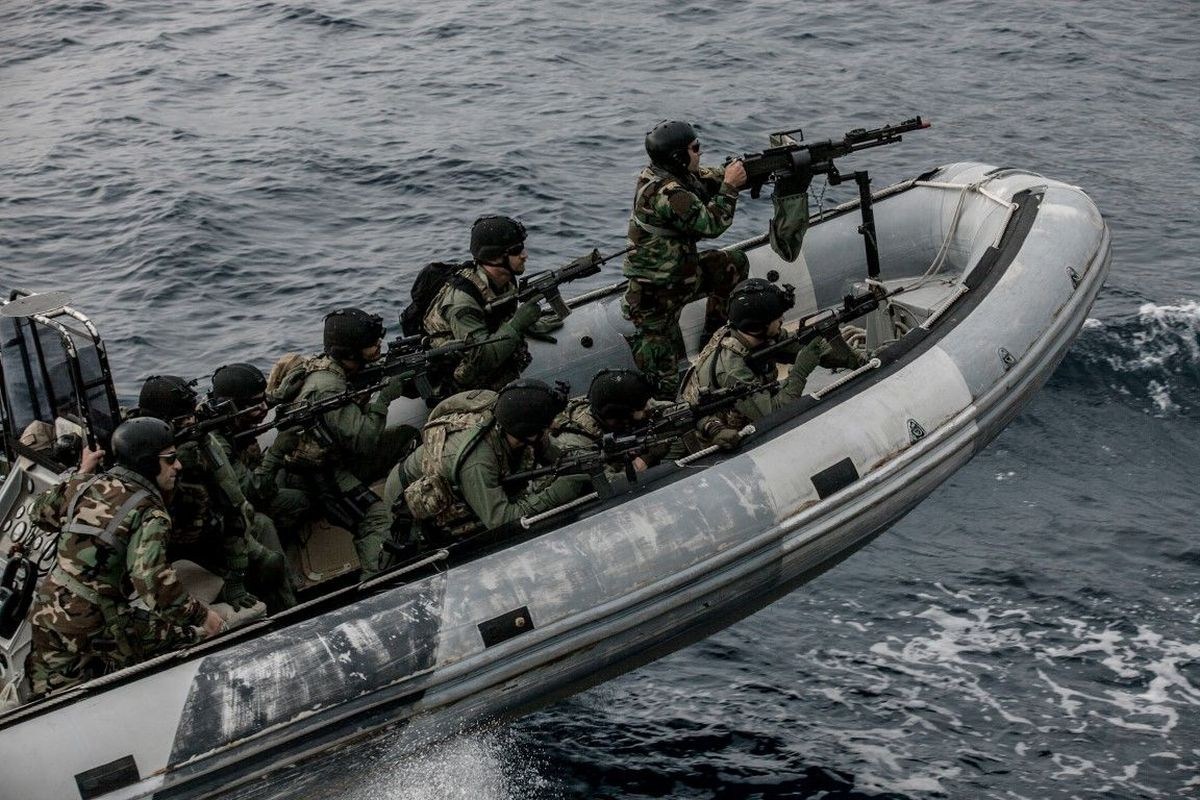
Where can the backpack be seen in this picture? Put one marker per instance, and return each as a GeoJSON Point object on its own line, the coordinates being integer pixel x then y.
{"type": "Point", "coordinates": [431, 496]}
{"type": "Point", "coordinates": [425, 289]}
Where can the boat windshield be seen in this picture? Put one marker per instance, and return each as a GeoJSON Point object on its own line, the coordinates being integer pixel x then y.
{"type": "Point", "coordinates": [41, 382]}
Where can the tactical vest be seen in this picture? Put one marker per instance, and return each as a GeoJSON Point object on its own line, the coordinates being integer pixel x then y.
{"type": "Point", "coordinates": [703, 375]}
{"type": "Point", "coordinates": [676, 257]}
{"type": "Point", "coordinates": [434, 498]}
{"type": "Point", "coordinates": [310, 449]}
{"type": "Point", "coordinates": [95, 533]}
{"type": "Point", "coordinates": [497, 307]}
{"type": "Point", "coordinates": [577, 418]}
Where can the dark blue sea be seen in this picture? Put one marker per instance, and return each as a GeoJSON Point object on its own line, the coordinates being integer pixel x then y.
{"type": "Point", "coordinates": [208, 179]}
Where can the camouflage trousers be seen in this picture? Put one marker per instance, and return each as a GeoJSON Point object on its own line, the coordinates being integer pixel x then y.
{"type": "Point", "coordinates": [72, 641]}
{"type": "Point", "coordinates": [657, 342]}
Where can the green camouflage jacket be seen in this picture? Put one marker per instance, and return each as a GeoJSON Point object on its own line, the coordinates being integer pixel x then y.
{"type": "Point", "coordinates": [669, 216]}
{"type": "Point", "coordinates": [110, 565]}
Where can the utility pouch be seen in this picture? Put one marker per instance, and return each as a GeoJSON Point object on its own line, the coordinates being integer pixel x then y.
{"type": "Point", "coordinates": [429, 496]}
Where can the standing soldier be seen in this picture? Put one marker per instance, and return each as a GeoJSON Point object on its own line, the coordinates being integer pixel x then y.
{"type": "Point", "coordinates": [677, 203]}
{"type": "Point", "coordinates": [112, 534]}
{"type": "Point", "coordinates": [351, 446]}
{"type": "Point", "coordinates": [479, 301]}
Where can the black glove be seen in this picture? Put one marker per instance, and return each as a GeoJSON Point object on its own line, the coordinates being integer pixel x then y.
{"type": "Point", "coordinates": [234, 592]}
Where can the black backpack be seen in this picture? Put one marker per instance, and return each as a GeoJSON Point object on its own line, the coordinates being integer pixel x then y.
{"type": "Point", "coordinates": [425, 288]}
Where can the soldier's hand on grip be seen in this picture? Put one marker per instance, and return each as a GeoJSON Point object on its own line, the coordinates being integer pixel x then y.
{"type": "Point", "coordinates": [735, 174]}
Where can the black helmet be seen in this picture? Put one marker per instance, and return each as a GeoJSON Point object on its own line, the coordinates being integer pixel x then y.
{"type": "Point", "coordinates": [137, 442]}
{"type": "Point", "coordinates": [494, 237]}
{"type": "Point", "coordinates": [242, 383]}
{"type": "Point", "coordinates": [755, 303]}
{"type": "Point", "coordinates": [526, 407]}
{"type": "Point", "coordinates": [667, 144]}
{"type": "Point", "coordinates": [618, 393]}
{"type": "Point", "coordinates": [167, 397]}
{"type": "Point", "coordinates": [348, 331]}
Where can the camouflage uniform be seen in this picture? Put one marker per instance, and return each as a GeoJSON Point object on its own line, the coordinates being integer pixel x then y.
{"type": "Point", "coordinates": [666, 271]}
{"type": "Point", "coordinates": [334, 462]}
{"type": "Point", "coordinates": [468, 466]}
{"type": "Point", "coordinates": [112, 539]}
{"type": "Point", "coordinates": [457, 315]}
{"type": "Point", "coordinates": [724, 363]}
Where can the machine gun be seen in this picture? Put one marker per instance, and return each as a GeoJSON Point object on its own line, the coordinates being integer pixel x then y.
{"type": "Point", "coordinates": [816, 158]}
{"type": "Point", "coordinates": [546, 284]}
{"type": "Point", "coordinates": [613, 448]}
{"type": "Point", "coordinates": [823, 323]}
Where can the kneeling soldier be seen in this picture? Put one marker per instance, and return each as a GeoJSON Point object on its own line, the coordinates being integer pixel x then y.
{"type": "Point", "coordinates": [454, 483]}
{"type": "Point", "coordinates": [756, 310]}
{"type": "Point", "coordinates": [618, 402]}
{"type": "Point", "coordinates": [112, 534]}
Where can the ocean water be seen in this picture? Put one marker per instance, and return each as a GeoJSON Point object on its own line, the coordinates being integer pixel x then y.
{"type": "Point", "coordinates": [207, 180]}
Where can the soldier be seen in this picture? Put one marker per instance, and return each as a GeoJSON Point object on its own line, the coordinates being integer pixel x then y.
{"type": "Point", "coordinates": [480, 301]}
{"type": "Point", "coordinates": [453, 484]}
{"type": "Point", "coordinates": [677, 203]}
{"type": "Point", "coordinates": [336, 460]}
{"type": "Point", "coordinates": [112, 534]}
{"type": "Point", "coordinates": [756, 310]}
{"type": "Point", "coordinates": [210, 520]}
{"type": "Point", "coordinates": [618, 402]}
{"type": "Point", "coordinates": [243, 387]}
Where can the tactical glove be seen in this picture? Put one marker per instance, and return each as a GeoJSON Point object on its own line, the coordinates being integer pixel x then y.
{"type": "Point", "coordinates": [392, 390]}
{"type": "Point", "coordinates": [234, 592]}
{"type": "Point", "coordinates": [565, 489]}
{"type": "Point", "coordinates": [808, 358]}
{"type": "Point", "coordinates": [526, 315]}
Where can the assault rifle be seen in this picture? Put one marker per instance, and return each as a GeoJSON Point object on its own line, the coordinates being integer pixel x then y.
{"type": "Point", "coordinates": [213, 416]}
{"type": "Point", "coordinates": [410, 365]}
{"type": "Point", "coordinates": [816, 158]}
{"type": "Point", "coordinates": [682, 416]}
{"type": "Point", "coordinates": [408, 358]}
{"type": "Point", "coordinates": [613, 448]}
{"type": "Point", "coordinates": [546, 284]}
{"type": "Point", "coordinates": [823, 323]}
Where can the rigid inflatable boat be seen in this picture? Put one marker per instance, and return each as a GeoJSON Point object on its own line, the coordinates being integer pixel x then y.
{"type": "Point", "coordinates": [989, 275]}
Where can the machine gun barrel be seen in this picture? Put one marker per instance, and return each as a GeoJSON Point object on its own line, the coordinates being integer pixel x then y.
{"type": "Point", "coordinates": [816, 158]}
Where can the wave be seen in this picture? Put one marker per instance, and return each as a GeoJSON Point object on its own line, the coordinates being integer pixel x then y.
{"type": "Point", "coordinates": [1149, 359]}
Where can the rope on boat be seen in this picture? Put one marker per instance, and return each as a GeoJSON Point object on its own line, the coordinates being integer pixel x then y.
{"type": "Point", "coordinates": [391, 575]}
{"type": "Point", "coordinates": [963, 189]}
{"type": "Point", "coordinates": [941, 308]}
{"type": "Point", "coordinates": [874, 363]}
{"type": "Point", "coordinates": [528, 522]}
{"type": "Point", "coordinates": [749, 430]}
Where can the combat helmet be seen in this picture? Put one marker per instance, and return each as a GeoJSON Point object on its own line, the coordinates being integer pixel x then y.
{"type": "Point", "coordinates": [137, 442]}
{"type": "Point", "coordinates": [526, 407]}
{"type": "Point", "coordinates": [349, 331]}
{"type": "Point", "coordinates": [616, 394]}
{"type": "Point", "coordinates": [494, 237]}
{"type": "Point", "coordinates": [166, 397]}
{"type": "Point", "coordinates": [755, 303]}
{"type": "Point", "coordinates": [667, 144]}
{"type": "Point", "coordinates": [240, 382]}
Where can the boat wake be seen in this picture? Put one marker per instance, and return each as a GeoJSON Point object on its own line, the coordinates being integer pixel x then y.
{"type": "Point", "coordinates": [1149, 359]}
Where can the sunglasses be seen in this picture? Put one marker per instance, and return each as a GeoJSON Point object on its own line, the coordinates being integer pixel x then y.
{"type": "Point", "coordinates": [515, 250]}
{"type": "Point", "coordinates": [694, 147]}
{"type": "Point", "coordinates": [169, 458]}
